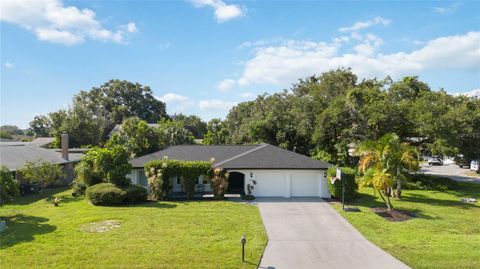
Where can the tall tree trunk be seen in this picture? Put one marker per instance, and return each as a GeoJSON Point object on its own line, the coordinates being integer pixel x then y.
{"type": "Point", "coordinates": [387, 202]}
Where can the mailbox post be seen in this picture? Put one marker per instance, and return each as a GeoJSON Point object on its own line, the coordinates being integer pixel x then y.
{"type": "Point", "coordinates": [244, 241]}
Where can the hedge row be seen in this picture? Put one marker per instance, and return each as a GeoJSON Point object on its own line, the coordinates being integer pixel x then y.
{"type": "Point", "coordinates": [429, 182]}
{"type": "Point", "coordinates": [348, 176]}
{"type": "Point", "coordinates": [111, 194]}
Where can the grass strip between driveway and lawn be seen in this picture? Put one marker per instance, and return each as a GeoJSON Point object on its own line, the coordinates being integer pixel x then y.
{"type": "Point", "coordinates": [197, 234]}
{"type": "Point", "coordinates": [444, 234]}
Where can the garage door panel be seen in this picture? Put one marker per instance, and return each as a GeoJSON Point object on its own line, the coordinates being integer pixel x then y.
{"type": "Point", "coordinates": [304, 185]}
{"type": "Point", "coordinates": [270, 184]}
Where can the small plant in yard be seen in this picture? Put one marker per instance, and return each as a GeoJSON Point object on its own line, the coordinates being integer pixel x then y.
{"type": "Point", "coordinates": [219, 179]}
{"type": "Point", "coordinates": [111, 194]}
{"type": "Point", "coordinates": [42, 172]}
{"type": "Point", "coordinates": [348, 178]}
{"type": "Point", "coordinates": [8, 186]}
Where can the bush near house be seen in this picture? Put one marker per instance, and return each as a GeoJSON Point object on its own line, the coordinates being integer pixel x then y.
{"type": "Point", "coordinates": [429, 182]}
{"type": "Point", "coordinates": [43, 173]}
{"type": "Point", "coordinates": [159, 173]}
{"type": "Point", "coordinates": [111, 194]}
{"type": "Point", "coordinates": [9, 188]}
{"type": "Point", "coordinates": [348, 175]}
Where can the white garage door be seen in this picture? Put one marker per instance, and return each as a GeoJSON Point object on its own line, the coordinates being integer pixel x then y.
{"type": "Point", "coordinates": [304, 185]}
{"type": "Point", "coordinates": [270, 184]}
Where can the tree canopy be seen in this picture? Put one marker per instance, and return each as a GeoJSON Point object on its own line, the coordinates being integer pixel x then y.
{"type": "Point", "coordinates": [334, 111]}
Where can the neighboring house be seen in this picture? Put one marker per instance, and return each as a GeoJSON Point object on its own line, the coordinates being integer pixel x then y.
{"type": "Point", "coordinates": [119, 126]}
{"type": "Point", "coordinates": [14, 155]}
{"type": "Point", "coordinates": [272, 171]}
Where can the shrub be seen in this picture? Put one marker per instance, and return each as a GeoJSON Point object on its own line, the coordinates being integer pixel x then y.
{"type": "Point", "coordinates": [429, 182]}
{"type": "Point", "coordinates": [78, 188]}
{"type": "Point", "coordinates": [109, 164]}
{"type": "Point", "coordinates": [85, 174]}
{"type": "Point", "coordinates": [8, 186]}
{"type": "Point", "coordinates": [135, 194]}
{"type": "Point", "coordinates": [42, 172]}
{"type": "Point", "coordinates": [105, 194]}
{"type": "Point", "coordinates": [248, 197]}
{"type": "Point", "coordinates": [348, 175]}
{"type": "Point", "coordinates": [219, 180]}
{"type": "Point", "coordinates": [159, 173]}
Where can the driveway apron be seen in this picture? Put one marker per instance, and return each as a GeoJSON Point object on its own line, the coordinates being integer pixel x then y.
{"type": "Point", "coordinates": [308, 233]}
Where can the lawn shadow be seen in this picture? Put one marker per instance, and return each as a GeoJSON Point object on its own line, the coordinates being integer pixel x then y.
{"type": "Point", "coordinates": [367, 200]}
{"type": "Point", "coordinates": [45, 193]}
{"type": "Point", "coordinates": [23, 228]}
{"type": "Point", "coordinates": [67, 198]}
{"type": "Point", "coordinates": [422, 199]}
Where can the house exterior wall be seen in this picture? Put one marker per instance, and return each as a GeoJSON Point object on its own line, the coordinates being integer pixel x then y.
{"type": "Point", "coordinates": [272, 182]}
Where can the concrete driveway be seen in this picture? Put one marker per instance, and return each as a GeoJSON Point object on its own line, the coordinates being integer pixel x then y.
{"type": "Point", "coordinates": [308, 233]}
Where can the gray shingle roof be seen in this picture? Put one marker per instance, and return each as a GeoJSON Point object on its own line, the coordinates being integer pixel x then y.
{"type": "Point", "coordinates": [15, 156]}
{"type": "Point", "coordinates": [42, 141]}
{"type": "Point", "coordinates": [262, 156]}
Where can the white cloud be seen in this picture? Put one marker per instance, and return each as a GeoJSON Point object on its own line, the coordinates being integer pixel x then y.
{"type": "Point", "coordinates": [365, 24]}
{"type": "Point", "coordinates": [446, 9]}
{"type": "Point", "coordinates": [473, 93]}
{"type": "Point", "coordinates": [223, 12]}
{"type": "Point", "coordinates": [247, 95]}
{"type": "Point", "coordinates": [226, 85]}
{"type": "Point", "coordinates": [214, 104]}
{"type": "Point", "coordinates": [8, 65]}
{"type": "Point", "coordinates": [285, 63]}
{"type": "Point", "coordinates": [176, 103]}
{"type": "Point", "coordinates": [51, 21]}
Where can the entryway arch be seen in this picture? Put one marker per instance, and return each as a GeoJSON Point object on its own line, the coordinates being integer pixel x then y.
{"type": "Point", "coordinates": [236, 182]}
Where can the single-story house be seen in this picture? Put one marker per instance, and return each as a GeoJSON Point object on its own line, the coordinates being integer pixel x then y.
{"type": "Point", "coordinates": [272, 171]}
{"type": "Point", "coordinates": [14, 155]}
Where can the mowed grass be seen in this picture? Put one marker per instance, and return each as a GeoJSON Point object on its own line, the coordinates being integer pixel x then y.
{"type": "Point", "coordinates": [445, 234]}
{"type": "Point", "coordinates": [198, 234]}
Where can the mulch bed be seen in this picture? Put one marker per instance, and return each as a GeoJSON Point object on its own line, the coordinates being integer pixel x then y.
{"type": "Point", "coordinates": [393, 215]}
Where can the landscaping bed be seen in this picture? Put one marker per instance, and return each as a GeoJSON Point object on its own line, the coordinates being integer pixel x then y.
{"type": "Point", "coordinates": [445, 232]}
{"type": "Point", "coordinates": [77, 234]}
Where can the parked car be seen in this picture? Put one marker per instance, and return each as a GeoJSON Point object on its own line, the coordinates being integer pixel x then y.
{"type": "Point", "coordinates": [462, 162]}
{"type": "Point", "coordinates": [435, 161]}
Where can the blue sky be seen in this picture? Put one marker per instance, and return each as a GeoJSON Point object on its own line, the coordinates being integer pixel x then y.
{"type": "Point", "coordinates": [204, 56]}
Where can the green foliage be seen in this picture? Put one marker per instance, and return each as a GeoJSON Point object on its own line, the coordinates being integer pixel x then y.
{"type": "Point", "coordinates": [159, 173]}
{"type": "Point", "coordinates": [11, 129]}
{"type": "Point", "coordinates": [174, 133]}
{"type": "Point", "coordinates": [323, 155]}
{"type": "Point", "coordinates": [5, 135]}
{"type": "Point", "coordinates": [42, 172]}
{"type": "Point", "coordinates": [85, 174]}
{"type": "Point", "coordinates": [105, 194]}
{"type": "Point", "coordinates": [348, 176]}
{"type": "Point", "coordinates": [192, 123]}
{"type": "Point", "coordinates": [8, 186]}
{"type": "Point", "coordinates": [78, 188]}
{"type": "Point", "coordinates": [135, 194]}
{"type": "Point", "coordinates": [429, 182]}
{"type": "Point", "coordinates": [40, 126]}
{"type": "Point", "coordinates": [248, 197]}
{"type": "Point", "coordinates": [335, 109]}
{"type": "Point", "coordinates": [108, 164]}
{"type": "Point", "coordinates": [136, 137]}
{"type": "Point", "coordinates": [385, 162]}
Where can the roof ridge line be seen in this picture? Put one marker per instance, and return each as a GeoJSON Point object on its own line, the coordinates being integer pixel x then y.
{"type": "Point", "coordinates": [261, 146]}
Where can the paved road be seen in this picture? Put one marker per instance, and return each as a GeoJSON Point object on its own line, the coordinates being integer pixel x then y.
{"type": "Point", "coordinates": [308, 233]}
{"type": "Point", "coordinates": [450, 170]}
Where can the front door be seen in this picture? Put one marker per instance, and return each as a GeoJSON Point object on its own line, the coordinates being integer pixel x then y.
{"type": "Point", "coordinates": [236, 182]}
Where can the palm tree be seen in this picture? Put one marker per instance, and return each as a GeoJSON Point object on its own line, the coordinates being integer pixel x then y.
{"type": "Point", "coordinates": [385, 163]}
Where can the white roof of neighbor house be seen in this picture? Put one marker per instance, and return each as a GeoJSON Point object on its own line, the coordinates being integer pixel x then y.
{"type": "Point", "coordinates": [42, 141]}
{"type": "Point", "coordinates": [15, 155]}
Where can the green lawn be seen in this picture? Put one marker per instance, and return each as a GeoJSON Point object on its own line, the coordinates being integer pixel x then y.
{"type": "Point", "coordinates": [445, 234]}
{"type": "Point", "coordinates": [152, 235]}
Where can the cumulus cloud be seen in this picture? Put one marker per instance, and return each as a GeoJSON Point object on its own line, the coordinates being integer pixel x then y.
{"type": "Point", "coordinates": [223, 11]}
{"type": "Point", "coordinates": [282, 64]}
{"type": "Point", "coordinates": [226, 85]}
{"type": "Point", "coordinates": [214, 104]}
{"type": "Point", "coordinates": [8, 65]}
{"type": "Point", "coordinates": [446, 9]}
{"type": "Point", "coordinates": [473, 93]}
{"type": "Point", "coordinates": [247, 95]}
{"type": "Point", "coordinates": [359, 25]}
{"type": "Point", "coordinates": [176, 103]}
{"type": "Point", "coordinates": [51, 20]}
